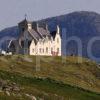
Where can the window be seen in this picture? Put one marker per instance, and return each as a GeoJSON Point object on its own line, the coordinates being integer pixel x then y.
{"type": "Point", "coordinates": [33, 50]}
{"type": "Point", "coordinates": [46, 49]}
{"type": "Point", "coordinates": [43, 50]}
{"type": "Point", "coordinates": [51, 49]}
{"type": "Point", "coordinates": [40, 50]}
{"type": "Point", "coordinates": [57, 49]}
{"type": "Point", "coordinates": [23, 29]}
{"type": "Point", "coordinates": [22, 43]}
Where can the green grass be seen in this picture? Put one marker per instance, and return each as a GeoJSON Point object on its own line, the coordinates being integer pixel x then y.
{"type": "Point", "coordinates": [49, 86]}
{"type": "Point", "coordinates": [69, 80]}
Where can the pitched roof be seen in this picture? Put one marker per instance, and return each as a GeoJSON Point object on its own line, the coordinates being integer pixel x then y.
{"type": "Point", "coordinates": [43, 31]}
{"type": "Point", "coordinates": [38, 32]}
{"type": "Point", "coordinates": [34, 34]}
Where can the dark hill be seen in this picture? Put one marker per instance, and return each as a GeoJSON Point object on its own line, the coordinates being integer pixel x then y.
{"type": "Point", "coordinates": [12, 32]}
{"type": "Point", "coordinates": [84, 25]}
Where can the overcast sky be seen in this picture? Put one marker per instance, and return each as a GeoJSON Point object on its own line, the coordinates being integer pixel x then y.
{"type": "Point", "coordinates": [13, 11]}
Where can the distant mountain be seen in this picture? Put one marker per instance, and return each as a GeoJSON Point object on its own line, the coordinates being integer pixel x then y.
{"type": "Point", "coordinates": [84, 25]}
{"type": "Point", "coordinates": [11, 31]}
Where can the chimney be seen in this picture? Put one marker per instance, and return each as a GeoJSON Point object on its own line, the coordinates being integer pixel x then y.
{"type": "Point", "coordinates": [29, 25]}
{"type": "Point", "coordinates": [37, 26]}
{"type": "Point", "coordinates": [46, 27]}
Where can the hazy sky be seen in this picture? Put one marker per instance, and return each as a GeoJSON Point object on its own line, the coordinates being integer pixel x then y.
{"type": "Point", "coordinates": [13, 11]}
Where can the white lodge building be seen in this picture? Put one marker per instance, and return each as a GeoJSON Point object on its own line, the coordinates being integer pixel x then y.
{"type": "Point", "coordinates": [36, 40]}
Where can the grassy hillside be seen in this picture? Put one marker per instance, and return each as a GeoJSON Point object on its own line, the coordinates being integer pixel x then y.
{"type": "Point", "coordinates": [56, 80]}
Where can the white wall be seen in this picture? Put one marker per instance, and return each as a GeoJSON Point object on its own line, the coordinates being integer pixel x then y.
{"type": "Point", "coordinates": [43, 47]}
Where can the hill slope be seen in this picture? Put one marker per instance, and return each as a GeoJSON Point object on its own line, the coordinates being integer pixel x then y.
{"type": "Point", "coordinates": [55, 79]}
